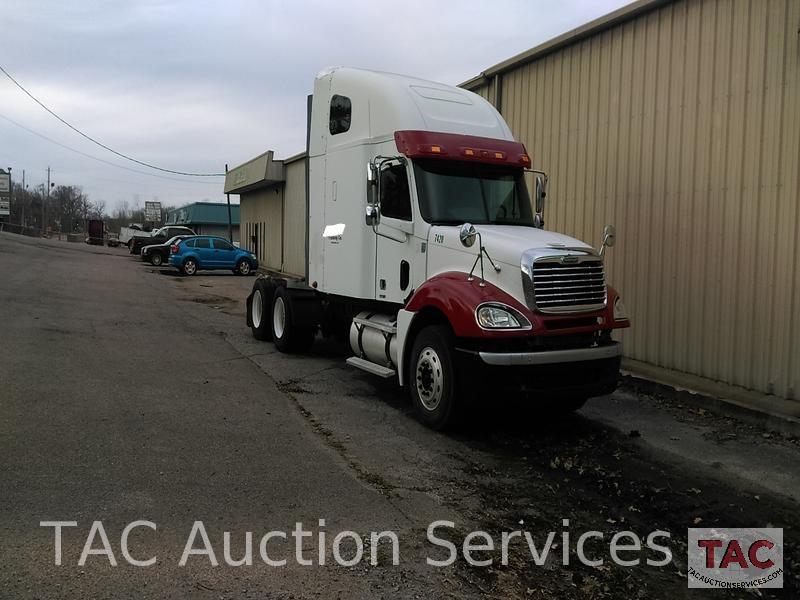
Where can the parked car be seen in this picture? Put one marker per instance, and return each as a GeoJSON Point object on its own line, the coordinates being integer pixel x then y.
{"type": "Point", "coordinates": [158, 254]}
{"type": "Point", "coordinates": [112, 240]}
{"type": "Point", "coordinates": [159, 236]}
{"type": "Point", "coordinates": [208, 252]}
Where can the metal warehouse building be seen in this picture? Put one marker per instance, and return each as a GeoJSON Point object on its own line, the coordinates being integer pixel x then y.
{"type": "Point", "coordinates": [679, 122]}
{"type": "Point", "coordinates": [273, 214]}
{"type": "Point", "coordinates": [206, 218]}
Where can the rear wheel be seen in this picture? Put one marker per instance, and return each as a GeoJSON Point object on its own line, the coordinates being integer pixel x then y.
{"type": "Point", "coordinates": [261, 310]}
{"type": "Point", "coordinates": [189, 266]}
{"type": "Point", "coordinates": [287, 335]}
{"type": "Point", "coordinates": [432, 382]}
{"type": "Point", "coordinates": [156, 259]}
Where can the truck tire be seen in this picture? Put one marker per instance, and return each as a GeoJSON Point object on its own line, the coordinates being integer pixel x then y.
{"type": "Point", "coordinates": [189, 266]}
{"type": "Point", "coordinates": [432, 378]}
{"type": "Point", "coordinates": [287, 335]}
{"type": "Point", "coordinates": [565, 406]}
{"type": "Point", "coordinates": [156, 258]}
{"type": "Point", "coordinates": [260, 307]}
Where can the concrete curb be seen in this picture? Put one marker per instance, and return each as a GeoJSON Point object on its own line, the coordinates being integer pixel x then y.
{"type": "Point", "coordinates": [755, 413]}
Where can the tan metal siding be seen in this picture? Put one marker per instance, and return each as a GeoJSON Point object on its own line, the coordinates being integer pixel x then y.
{"type": "Point", "coordinates": [263, 208]}
{"type": "Point", "coordinates": [276, 215]}
{"type": "Point", "coordinates": [295, 220]}
{"type": "Point", "coordinates": [681, 127]}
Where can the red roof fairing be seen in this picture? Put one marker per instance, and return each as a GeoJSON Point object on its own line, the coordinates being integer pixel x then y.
{"type": "Point", "coordinates": [454, 146]}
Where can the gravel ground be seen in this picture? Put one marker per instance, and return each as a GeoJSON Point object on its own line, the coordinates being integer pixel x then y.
{"type": "Point", "coordinates": [129, 392]}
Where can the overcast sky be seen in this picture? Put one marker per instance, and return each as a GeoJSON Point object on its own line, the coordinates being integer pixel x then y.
{"type": "Point", "coordinates": [192, 84]}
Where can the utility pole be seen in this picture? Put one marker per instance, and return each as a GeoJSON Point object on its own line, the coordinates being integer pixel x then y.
{"type": "Point", "coordinates": [10, 195]}
{"type": "Point", "coordinates": [228, 196]}
{"type": "Point", "coordinates": [24, 197]}
{"type": "Point", "coordinates": [45, 198]}
{"type": "Point", "coordinates": [48, 195]}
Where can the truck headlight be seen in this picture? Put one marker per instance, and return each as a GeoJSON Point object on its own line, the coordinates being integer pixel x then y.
{"type": "Point", "coordinates": [619, 310]}
{"type": "Point", "coordinates": [500, 316]}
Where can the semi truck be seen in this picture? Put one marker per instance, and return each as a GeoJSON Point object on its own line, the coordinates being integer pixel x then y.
{"type": "Point", "coordinates": [95, 230]}
{"type": "Point", "coordinates": [426, 252]}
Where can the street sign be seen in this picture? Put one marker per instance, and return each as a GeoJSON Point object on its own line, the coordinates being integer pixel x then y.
{"type": "Point", "coordinates": [152, 211]}
{"type": "Point", "coordinates": [5, 191]}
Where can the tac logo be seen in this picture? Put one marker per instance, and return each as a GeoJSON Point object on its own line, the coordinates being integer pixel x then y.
{"type": "Point", "coordinates": [735, 558]}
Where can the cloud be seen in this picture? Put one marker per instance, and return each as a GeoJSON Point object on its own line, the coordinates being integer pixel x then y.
{"type": "Point", "coordinates": [192, 85]}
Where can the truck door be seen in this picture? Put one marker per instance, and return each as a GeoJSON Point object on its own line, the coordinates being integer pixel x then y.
{"type": "Point", "coordinates": [393, 266]}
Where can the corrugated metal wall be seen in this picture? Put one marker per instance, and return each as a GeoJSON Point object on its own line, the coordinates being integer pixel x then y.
{"type": "Point", "coordinates": [682, 128]}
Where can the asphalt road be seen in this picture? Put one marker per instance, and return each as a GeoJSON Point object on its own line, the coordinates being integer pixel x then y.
{"type": "Point", "coordinates": [130, 393]}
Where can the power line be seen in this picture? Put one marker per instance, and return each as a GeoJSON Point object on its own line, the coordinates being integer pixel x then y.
{"type": "Point", "coordinates": [52, 141]}
{"type": "Point", "coordinates": [94, 141]}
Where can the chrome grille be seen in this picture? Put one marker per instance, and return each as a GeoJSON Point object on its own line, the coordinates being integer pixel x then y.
{"type": "Point", "coordinates": [576, 286]}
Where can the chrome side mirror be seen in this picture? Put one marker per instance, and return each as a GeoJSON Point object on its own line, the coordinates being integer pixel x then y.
{"type": "Point", "coordinates": [467, 235]}
{"type": "Point", "coordinates": [540, 194]}
{"type": "Point", "coordinates": [372, 216]}
{"type": "Point", "coordinates": [372, 183]}
{"type": "Point", "coordinates": [609, 238]}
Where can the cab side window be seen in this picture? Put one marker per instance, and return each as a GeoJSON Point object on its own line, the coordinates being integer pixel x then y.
{"type": "Point", "coordinates": [341, 110]}
{"type": "Point", "coordinates": [202, 243]}
{"type": "Point", "coordinates": [395, 195]}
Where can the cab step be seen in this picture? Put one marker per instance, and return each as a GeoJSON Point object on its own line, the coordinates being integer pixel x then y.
{"type": "Point", "coordinates": [371, 367]}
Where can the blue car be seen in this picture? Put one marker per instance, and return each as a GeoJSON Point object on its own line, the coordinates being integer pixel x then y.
{"type": "Point", "coordinates": [209, 252]}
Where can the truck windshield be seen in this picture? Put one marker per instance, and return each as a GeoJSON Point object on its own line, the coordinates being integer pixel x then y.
{"type": "Point", "coordinates": [451, 193]}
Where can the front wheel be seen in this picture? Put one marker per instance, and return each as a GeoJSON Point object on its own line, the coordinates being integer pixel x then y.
{"type": "Point", "coordinates": [189, 266]}
{"type": "Point", "coordinates": [156, 259]}
{"type": "Point", "coordinates": [243, 268]}
{"type": "Point", "coordinates": [432, 382]}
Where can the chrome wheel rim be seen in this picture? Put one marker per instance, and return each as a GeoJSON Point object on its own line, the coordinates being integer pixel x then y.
{"type": "Point", "coordinates": [278, 318]}
{"type": "Point", "coordinates": [244, 268]}
{"type": "Point", "coordinates": [429, 379]}
{"type": "Point", "coordinates": [190, 267]}
{"type": "Point", "coordinates": [156, 259]}
{"type": "Point", "coordinates": [258, 307]}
